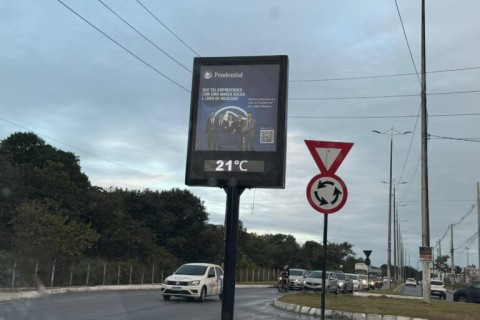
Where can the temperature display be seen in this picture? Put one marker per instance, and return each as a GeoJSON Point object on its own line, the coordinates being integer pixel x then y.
{"type": "Point", "coordinates": [234, 165]}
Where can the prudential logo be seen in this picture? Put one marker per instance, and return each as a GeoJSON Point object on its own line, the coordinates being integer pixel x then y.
{"type": "Point", "coordinates": [207, 74]}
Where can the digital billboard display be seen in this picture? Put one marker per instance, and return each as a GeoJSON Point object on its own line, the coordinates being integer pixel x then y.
{"type": "Point", "coordinates": [237, 133]}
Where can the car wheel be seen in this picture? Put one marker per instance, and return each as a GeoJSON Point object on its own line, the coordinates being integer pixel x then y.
{"type": "Point", "coordinates": [221, 296]}
{"type": "Point", "coordinates": [203, 294]}
{"type": "Point", "coordinates": [462, 298]}
{"type": "Point", "coordinates": [444, 297]}
{"type": "Point", "coordinates": [166, 297]}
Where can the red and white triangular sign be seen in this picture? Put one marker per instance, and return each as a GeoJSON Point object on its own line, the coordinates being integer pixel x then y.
{"type": "Point", "coordinates": [328, 155]}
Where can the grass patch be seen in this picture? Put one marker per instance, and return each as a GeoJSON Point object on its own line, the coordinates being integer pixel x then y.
{"type": "Point", "coordinates": [436, 310]}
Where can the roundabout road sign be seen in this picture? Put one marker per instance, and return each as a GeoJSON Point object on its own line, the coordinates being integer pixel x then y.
{"type": "Point", "coordinates": [327, 193]}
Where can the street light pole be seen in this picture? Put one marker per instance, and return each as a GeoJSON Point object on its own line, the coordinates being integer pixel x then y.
{"type": "Point", "coordinates": [396, 232]}
{"type": "Point", "coordinates": [391, 132]}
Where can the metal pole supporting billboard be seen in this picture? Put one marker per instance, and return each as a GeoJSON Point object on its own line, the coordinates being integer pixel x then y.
{"type": "Point", "coordinates": [231, 236]}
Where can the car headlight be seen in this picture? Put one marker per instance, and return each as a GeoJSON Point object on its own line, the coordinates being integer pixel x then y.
{"type": "Point", "coordinates": [165, 281]}
{"type": "Point", "coordinates": [194, 283]}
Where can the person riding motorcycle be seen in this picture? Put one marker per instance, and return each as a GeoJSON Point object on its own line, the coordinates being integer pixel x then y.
{"type": "Point", "coordinates": [285, 274]}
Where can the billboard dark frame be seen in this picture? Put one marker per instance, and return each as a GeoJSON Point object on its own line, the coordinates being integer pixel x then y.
{"type": "Point", "coordinates": [229, 88]}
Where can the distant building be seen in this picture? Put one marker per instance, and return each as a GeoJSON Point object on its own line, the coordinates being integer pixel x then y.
{"type": "Point", "coordinates": [471, 275]}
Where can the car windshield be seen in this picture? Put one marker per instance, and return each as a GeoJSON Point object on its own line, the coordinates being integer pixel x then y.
{"type": "Point", "coordinates": [340, 276]}
{"type": "Point", "coordinates": [315, 274]}
{"type": "Point", "coordinates": [192, 270]}
{"type": "Point", "coordinates": [296, 272]}
{"type": "Point", "coordinates": [437, 283]}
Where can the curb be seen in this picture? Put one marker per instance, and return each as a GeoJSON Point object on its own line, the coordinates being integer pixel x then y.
{"type": "Point", "coordinates": [334, 314]}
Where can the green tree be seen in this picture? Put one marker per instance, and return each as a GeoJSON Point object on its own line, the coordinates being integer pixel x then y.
{"type": "Point", "coordinates": [43, 172]}
{"type": "Point", "coordinates": [337, 253]}
{"type": "Point", "coordinates": [44, 232]}
{"type": "Point", "coordinates": [177, 218]}
{"type": "Point", "coordinates": [311, 252]}
{"type": "Point", "coordinates": [121, 236]}
{"type": "Point", "coordinates": [441, 263]}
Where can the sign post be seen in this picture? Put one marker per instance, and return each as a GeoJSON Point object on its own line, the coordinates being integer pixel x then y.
{"type": "Point", "coordinates": [367, 262]}
{"type": "Point", "coordinates": [326, 192]}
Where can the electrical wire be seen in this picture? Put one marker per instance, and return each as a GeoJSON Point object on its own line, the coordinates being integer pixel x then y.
{"type": "Point", "coordinates": [383, 76]}
{"type": "Point", "coordinates": [123, 47]}
{"type": "Point", "coordinates": [144, 37]}
{"type": "Point", "coordinates": [408, 44]}
{"type": "Point", "coordinates": [384, 96]}
{"type": "Point", "coordinates": [451, 138]}
{"type": "Point", "coordinates": [468, 242]}
{"type": "Point", "coordinates": [78, 149]}
{"type": "Point", "coordinates": [384, 117]}
{"type": "Point", "coordinates": [168, 29]}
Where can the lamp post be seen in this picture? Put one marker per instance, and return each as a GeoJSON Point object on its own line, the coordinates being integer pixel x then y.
{"type": "Point", "coordinates": [399, 243]}
{"type": "Point", "coordinates": [396, 232]}
{"type": "Point", "coordinates": [392, 133]}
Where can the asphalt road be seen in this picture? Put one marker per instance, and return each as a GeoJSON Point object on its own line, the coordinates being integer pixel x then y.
{"type": "Point", "coordinates": [143, 305]}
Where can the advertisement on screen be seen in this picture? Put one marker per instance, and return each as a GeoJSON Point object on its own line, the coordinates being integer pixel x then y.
{"type": "Point", "coordinates": [237, 108]}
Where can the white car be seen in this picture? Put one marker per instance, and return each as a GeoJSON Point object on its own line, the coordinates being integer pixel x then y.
{"type": "Point", "coordinates": [357, 283]}
{"type": "Point", "coordinates": [411, 282]}
{"type": "Point", "coordinates": [314, 281]}
{"type": "Point", "coordinates": [194, 280]}
{"type": "Point", "coordinates": [437, 288]}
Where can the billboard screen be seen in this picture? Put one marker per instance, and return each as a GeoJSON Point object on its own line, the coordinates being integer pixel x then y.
{"type": "Point", "coordinates": [237, 130]}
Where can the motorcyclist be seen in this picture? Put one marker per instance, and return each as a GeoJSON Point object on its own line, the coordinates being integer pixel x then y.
{"type": "Point", "coordinates": [286, 275]}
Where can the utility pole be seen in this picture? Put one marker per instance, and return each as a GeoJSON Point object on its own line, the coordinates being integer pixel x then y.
{"type": "Point", "coordinates": [395, 242]}
{"type": "Point", "coordinates": [424, 137]}
{"type": "Point", "coordinates": [478, 222]}
{"type": "Point", "coordinates": [439, 267]}
{"type": "Point", "coordinates": [451, 252]}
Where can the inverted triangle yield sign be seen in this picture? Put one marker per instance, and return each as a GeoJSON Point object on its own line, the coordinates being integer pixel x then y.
{"type": "Point", "coordinates": [328, 155]}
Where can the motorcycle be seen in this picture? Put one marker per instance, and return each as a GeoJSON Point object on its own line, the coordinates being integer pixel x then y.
{"type": "Point", "coordinates": [282, 283]}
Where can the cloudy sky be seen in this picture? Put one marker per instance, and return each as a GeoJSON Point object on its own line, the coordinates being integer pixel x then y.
{"type": "Point", "coordinates": [110, 81]}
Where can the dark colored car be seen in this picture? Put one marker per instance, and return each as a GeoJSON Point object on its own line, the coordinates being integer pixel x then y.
{"type": "Point", "coordinates": [469, 294]}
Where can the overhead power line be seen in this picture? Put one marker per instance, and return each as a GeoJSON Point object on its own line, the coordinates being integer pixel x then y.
{"type": "Point", "coordinates": [168, 29]}
{"type": "Point", "coordinates": [383, 117]}
{"type": "Point", "coordinates": [124, 48]}
{"type": "Point", "coordinates": [385, 96]}
{"type": "Point", "coordinates": [383, 76]}
{"type": "Point", "coordinates": [451, 138]}
{"type": "Point", "coordinates": [406, 40]}
{"type": "Point", "coordinates": [78, 149]}
{"type": "Point", "coordinates": [144, 37]}
{"type": "Point", "coordinates": [468, 242]}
